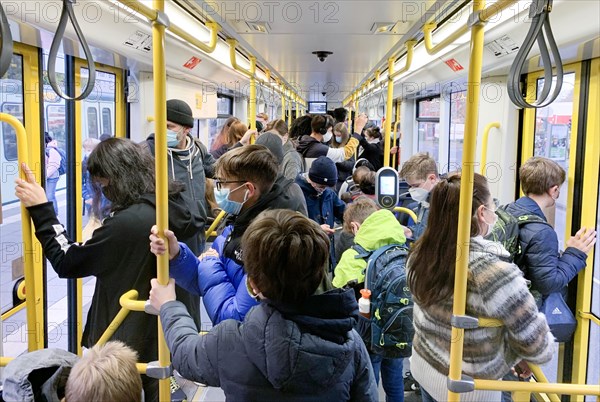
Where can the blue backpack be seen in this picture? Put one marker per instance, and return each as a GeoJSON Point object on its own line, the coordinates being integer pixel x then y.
{"type": "Point", "coordinates": [392, 329]}
{"type": "Point", "coordinates": [62, 168]}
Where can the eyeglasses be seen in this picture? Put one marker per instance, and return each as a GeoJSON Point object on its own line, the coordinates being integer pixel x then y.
{"type": "Point", "coordinates": [219, 183]}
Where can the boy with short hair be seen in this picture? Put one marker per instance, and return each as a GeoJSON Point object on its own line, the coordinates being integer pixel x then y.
{"type": "Point", "coordinates": [105, 373]}
{"type": "Point", "coordinates": [548, 271]}
{"type": "Point", "coordinates": [296, 344]}
{"type": "Point", "coordinates": [421, 174]}
{"type": "Point", "coordinates": [372, 229]}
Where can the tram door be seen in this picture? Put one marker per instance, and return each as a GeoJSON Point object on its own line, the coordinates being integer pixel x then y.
{"type": "Point", "coordinates": [567, 131]}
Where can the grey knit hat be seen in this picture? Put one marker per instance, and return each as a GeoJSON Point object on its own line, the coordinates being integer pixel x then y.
{"type": "Point", "coordinates": [273, 144]}
{"type": "Point", "coordinates": [179, 112]}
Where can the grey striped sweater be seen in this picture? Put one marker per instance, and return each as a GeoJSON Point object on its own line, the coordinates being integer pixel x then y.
{"type": "Point", "coordinates": [495, 289]}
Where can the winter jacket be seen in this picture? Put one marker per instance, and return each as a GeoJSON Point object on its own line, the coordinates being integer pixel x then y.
{"type": "Point", "coordinates": [344, 170]}
{"type": "Point", "coordinates": [421, 209]}
{"type": "Point", "coordinates": [310, 148]}
{"type": "Point", "coordinates": [379, 229]}
{"type": "Point", "coordinates": [324, 208]}
{"type": "Point", "coordinates": [292, 164]}
{"type": "Point", "coordinates": [541, 261]}
{"type": "Point", "coordinates": [221, 281]}
{"type": "Point", "coordinates": [495, 289]}
{"type": "Point", "coordinates": [279, 353]}
{"type": "Point", "coordinates": [190, 166]}
{"type": "Point", "coordinates": [119, 257]}
{"type": "Point", "coordinates": [373, 152]}
{"type": "Point", "coordinates": [220, 151]}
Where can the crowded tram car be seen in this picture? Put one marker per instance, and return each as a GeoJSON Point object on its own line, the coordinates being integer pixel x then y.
{"type": "Point", "coordinates": [300, 200]}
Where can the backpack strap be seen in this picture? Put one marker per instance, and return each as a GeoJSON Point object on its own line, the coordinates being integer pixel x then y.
{"type": "Point", "coordinates": [373, 256]}
{"type": "Point", "coordinates": [529, 218]}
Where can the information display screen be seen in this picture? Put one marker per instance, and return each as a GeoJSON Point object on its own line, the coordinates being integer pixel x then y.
{"type": "Point", "coordinates": [317, 107]}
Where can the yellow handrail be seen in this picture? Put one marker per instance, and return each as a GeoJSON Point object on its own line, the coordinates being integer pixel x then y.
{"type": "Point", "coordinates": [484, 145]}
{"type": "Point", "coordinates": [541, 378]}
{"type": "Point", "coordinates": [407, 211]}
{"type": "Point", "coordinates": [427, 34]}
{"type": "Point", "coordinates": [215, 223]}
{"type": "Point", "coordinates": [34, 341]}
{"type": "Point", "coordinates": [410, 46]}
{"type": "Point", "coordinates": [466, 198]}
{"type": "Point", "coordinates": [162, 199]}
{"type": "Point", "coordinates": [538, 387]}
{"type": "Point", "coordinates": [12, 311]}
{"type": "Point", "coordinates": [588, 316]}
{"type": "Point", "coordinates": [388, 112]}
{"type": "Point", "coordinates": [5, 360]}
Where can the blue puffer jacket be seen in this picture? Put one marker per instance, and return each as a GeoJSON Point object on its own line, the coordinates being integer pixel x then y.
{"type": "Point", "coordinates": [279, 353]}
{"type": "Point", "coordinates": [219, 280]}
{"type": "Point", "coordinates": [542, 263]}
{"type": "Point", "coordinates": [324, 208]}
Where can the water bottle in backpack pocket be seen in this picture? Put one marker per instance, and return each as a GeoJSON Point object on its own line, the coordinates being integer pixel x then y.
{"type": "Point", "coordinates": [391, 324]}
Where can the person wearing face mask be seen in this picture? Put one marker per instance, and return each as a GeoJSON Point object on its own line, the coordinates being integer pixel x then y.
{"type": "Point", "coordinates": [117, 254]}
{"type": "Point", "coordinates": [247, 183]}
{"type": "Point", "coordinates": [495, 289]}
{"type": "Point", "coordinates": [372, 229]}
{"type": "Point", "coordinates": [421, 174]}
{"type": "Point", "coordinates": [371, 147]}
{"type": "Point", "coordinates": [312, 146]}
{"type": "Point", "coordinates": [322, 202]}
{"type": "Point", "coordinates": [189, 162]}
{"type": "Point", "coordinates": [547, 269]}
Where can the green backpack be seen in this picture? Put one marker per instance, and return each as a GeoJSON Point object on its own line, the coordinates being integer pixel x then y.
{"type": "Point", "coordinates": [506, 231]}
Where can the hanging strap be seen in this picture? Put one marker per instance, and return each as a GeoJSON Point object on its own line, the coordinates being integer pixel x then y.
{"type": "Point", "coordinates": [539, 12]}
{"type": "Point", "coordinates": [6, 52]}
{"type": "Point", "coordinates": [67, 13]}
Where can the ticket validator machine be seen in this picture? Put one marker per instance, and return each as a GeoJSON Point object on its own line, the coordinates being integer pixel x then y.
{"type": "Point", "coordinates": [387, 190]}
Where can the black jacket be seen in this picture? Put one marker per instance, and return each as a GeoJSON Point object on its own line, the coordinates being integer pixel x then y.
{"type": "Point", "coordinates": [279, 353]}
{"type": "Point", "coordinates": [118, 255]}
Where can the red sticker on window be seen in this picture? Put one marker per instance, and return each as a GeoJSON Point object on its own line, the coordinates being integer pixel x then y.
{"type": "Point", "coordinates": [191, 63]}
{"type": "Point", "coordinates": [454, 65]}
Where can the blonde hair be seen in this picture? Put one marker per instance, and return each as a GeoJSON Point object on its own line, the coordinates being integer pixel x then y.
{"type": "Point", "coordinates": [538, 175]}
{"type": "Point", "coordinates": [105, 373]}
{"type": "Point", "coordinates": [358, 212]}
{"type": "Point", "coordinates": [340, 128]}
{"type": "Point", "coordinates": [418, 167]}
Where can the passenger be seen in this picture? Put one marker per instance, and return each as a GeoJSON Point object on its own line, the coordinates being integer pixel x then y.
{"type": "Point", "coordinates": [105, 373]}
{"type": "Point", "coordinates": [189, 163]}
{"type": "Point", "coordinates": [234, 135]}
{"type": "Point", "coordinates": [292, 164]}
{"type": "Point", "coordinates": [311, 146]}
{"type": "Point", "coordinates": [297, 344]}
{"type": "Point", "coordinates": [87, 190]}
{"type": "Point", "coordinates": [367, 185]}
{"type": "Point", "coordinates": [495, 289]}
{"type": "Point", "coordinates": [117, 254]}
{"type": "Point", "coordinates": [340, 115]}
{"type": "Point", "coordinates": [548, 271]}
{"type": "Point", "coordinates": [300, 127]}
{"type": "Point", "coordinates": [53, 160]}
{"type": "Point", "coordinates": [247, 184]}
{"type": "Point", "coordinates": [340, 140]}
{"type": "Point", "coordinates": [372, 229]}
{"type": "Point", "coordinates": [263, 118]}
{"type": "Point", "coordinates": [221, 138]}
{"type": "Point", "coordinates": [421, 174]}
{"type": "Point", "coordinates": [354, 191]}
{"type": "Point", "coordinates": [371, 147]}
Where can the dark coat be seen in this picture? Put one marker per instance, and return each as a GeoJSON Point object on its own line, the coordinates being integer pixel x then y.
{"type": "Point", "coordinates": [324, 208]}
{"type": "Point", "coordinates": [119, 257]}
{"type": "Point", "coordinates": [279, 353]}
{"type": "Point", "coordinates": [541, 261]}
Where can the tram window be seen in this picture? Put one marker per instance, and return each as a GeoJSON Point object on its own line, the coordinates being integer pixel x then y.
{"type": "Point", "coordinates": [92, 122]}
{"type": "Point", "coordinates": [11, 98]}
{"type": "Point", "coordinates": [224, 111]}
{"type": "Point", "coordinates": [458, 109]}
{"type": "Point", "coordinates": [9, 138]}
{"type": "Point", "coordinates": [106, 121]}
{"type": "Point", "coordinates": [55, 123]}
{"type": "Point", "coordinates": [428, 126]}
{"type": "Point", "coordinates": [552, 140]}
{"type": "Point", "coordinates": [224, 105]}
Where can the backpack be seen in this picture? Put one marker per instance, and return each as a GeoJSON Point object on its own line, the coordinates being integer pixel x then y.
{"type": "Point", "coordinates": [62, 168]}
{"type": "Point", "coordinates": [391, 301]}
{"type": "Point", "coordinates": [506, 231]}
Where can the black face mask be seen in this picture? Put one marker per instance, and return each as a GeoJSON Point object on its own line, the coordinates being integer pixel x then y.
{"type": "Point", "coordinates": [108, 192]}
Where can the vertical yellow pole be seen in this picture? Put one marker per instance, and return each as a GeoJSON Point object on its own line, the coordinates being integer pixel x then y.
{"type": "Point", "coordinates": [289, 103]}
{"type": "Point", "coordinates": [252, 112]}
{"type": "Point", "coordinates": [466, 197]}
{"type": "Point", "coordinates": [396, 156]}
{"type": "Point", "coordinates": [388, 113]}
{"type": "Point", "coordinates": [162, 202]}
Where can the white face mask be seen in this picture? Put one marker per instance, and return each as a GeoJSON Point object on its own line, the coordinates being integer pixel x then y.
{"type": "Point", "coordinates": [327, 136]}
{"type": "Point", "coordinates": [490, 225]}
{"type": "Point", "coordinates": [418, 194]}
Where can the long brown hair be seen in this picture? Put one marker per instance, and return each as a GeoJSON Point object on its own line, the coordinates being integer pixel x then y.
{"type": "Point", "coordinates": [433, 256]}
{"type": "Point", "coordinates": [221, 138]}
{"type": "Point", "coordinates": [236, 132]}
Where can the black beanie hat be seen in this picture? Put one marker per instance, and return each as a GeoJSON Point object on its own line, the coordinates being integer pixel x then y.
{"type": "Point", "coordinates": [323, 171]}
{"type": "Point", "coordinates": [179, 112]}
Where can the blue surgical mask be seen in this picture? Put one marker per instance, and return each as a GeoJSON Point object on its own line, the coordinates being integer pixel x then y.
{"type": "Point", "coordinates": [172, 140]}
{"type": "Point", "coordinates": [227, 205]}
{"type": "Point", "coordinates": [339, 140]}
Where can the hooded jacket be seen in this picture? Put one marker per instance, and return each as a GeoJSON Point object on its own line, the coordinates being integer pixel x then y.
{"type": "Point", "coordinates": [292, 161]}
{"type": "Point", "coordinates": [541, 261]}
{"type": "Point", "coordinates": [279, 353]}
{"type": "Point", "coordinates": [322, 208]}
{"type": "Point", "coordinates": [119, 257]}
{"type": "Point", "coordinates": [221, 281]}
{"type": "Point", "coordinates": [190, 166]}
{"type": "Point", "coordinates": [310, 148]}
{"type": "Point", "coordinates": [379, 229]}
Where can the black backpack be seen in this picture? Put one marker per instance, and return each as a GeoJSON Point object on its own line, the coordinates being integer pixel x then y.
{"type": "Point", "coordinates": [392, 329]}
{"type": "Point", "coordinates": [62, 168]}
{"type": "Point", "coordinates": [506, 231]}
